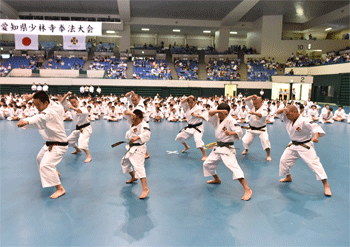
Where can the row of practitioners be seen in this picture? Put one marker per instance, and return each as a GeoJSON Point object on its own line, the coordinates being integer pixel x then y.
{"type": "Point", "coordinates": [112, 109]}
{"type": "Point", "coordinates": [50, 123]}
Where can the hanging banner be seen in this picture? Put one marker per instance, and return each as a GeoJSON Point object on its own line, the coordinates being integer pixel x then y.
{"type": "Point", "coordinates": [42, 27]}
{"type": "Point", "coordinates": [74, 43]}
{"type": "Point", "coordinates": [26, 42]}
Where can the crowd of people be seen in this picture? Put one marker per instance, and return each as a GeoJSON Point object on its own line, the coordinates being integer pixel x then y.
{"type": "Point", "coordinates": [228, 115]}
{"type": "Point", "coordinates": [187, 69]}
{"type": "Point", "coordinates": [223, 69]}
{"type": "Point", "coordinates": [304, 60]}
{"type": "Point", "coordinates": [115, 68]}
{"type": "Point", "coordinates": [59, 62]}
{"type": "Point", "coordinates": [151, 68]}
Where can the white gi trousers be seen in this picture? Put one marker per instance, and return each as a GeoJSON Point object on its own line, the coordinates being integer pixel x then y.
{"type": "Point", "coordinates": [47, 162]}
{"type": "Point", "coordinates": [249, 136]}
{"type": "Point", "coordinates": [229, 159]}
{"type": "Point", "coordinates": [294, 152]}
{"type": "Point", "coordinates": [186, 134]}
{"type": "Point", "coordinates": [81, 137]}
{"type": "Point", "coordinates": [135, 158]}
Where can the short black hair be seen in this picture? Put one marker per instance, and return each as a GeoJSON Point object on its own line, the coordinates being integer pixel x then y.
{"type": "Point", "coordinates": [42, 96]}
{"type": "Point", "coordinates": [301, 107]}
{"type": "Point", "coordinates": [73, 97]}
{"type": "Point", "coordinates": [224, 107]}
{"type": "Point", "coordinates": [330, 109]}
{"type": "Point", "coordinates": [138, 113]}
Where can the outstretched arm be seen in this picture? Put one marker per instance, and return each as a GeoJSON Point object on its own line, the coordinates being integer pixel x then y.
{"type": "Point", "coordinates": [251, 97]}
{"type": "Point", "coordinates": [185, 99]}
{"type": "Point", "coordinates": [213, 112]}
{"type": "Point", "coordinates": [65, 96]}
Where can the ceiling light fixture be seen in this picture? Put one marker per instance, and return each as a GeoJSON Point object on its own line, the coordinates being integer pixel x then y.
{"type": "Point", "coordinates": [233, 32]}
{"type": "Point", "coordinates": [206, 31]}
{"type": "Point", "coordinates": [110, 31]}
{"type": "Point", "coordinates": [176, 30]}
{"type": "Point", "coordinates": [327, 29]}
{"type": "Point", "coordinates": [145, 29]}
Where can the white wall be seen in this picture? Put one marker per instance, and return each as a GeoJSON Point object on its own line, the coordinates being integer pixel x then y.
{"type": "Point", "coordinates": [254, 38]}
{"type": "Point", "coordinates": [237, 41]}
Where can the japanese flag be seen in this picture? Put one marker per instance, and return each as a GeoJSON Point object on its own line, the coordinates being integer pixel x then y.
{"type": "Point", "coordinates": [74, 42]}
{"type": "Point", "coordinates": [26, 42]}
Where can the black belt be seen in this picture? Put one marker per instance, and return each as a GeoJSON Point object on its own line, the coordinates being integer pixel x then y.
{"type": "Point", "coordinates": [135, 144]}
{"type": "Point", "coordinates": [299, 144]}
{"type": "Point", "coordinates": [256, 128]}
{"type": "Point", "coordinates": [224, 144]}
{"type": "Point", "coordinates": [193, 126]}
{"type": "Point", "coordinates": [81, 126]}
{"type": "Point", "coordinates": [51, 144]}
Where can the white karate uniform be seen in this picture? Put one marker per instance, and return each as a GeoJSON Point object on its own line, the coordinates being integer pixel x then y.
{"type": "Point", "coordinates": [340, 114]}
{"type": "Point", "coordinates": [157, 114]}
{"type": "Point", "coordinates": [257, 122]}
{"type": "Point", "coordinates": [173, 116]}
{"type": "Point", "coordinates": [301, 131]}
{"type": "Point", "coordinates": [326, 118]}
{"type": "Point", "coordinates": [68, 116]}
{"type": "Point", "coordinates": [243, 115]}
{"type": "Point", "coordinates": [136, 155]}
{"type": "Point", "coordinates": [112, 114]}
{"type": "Point", "coordinates": [234, 112]}
{"type": "Point", "coordinates": [186, 134]}
{"type": "Point", "coordinates": [14, 113]}
{"type": "Point", "coordinates": [225, 154]}
{"type": "Point", "coordinates": [270, 117]}
{"type": "Point", "coordinates": [51, 127]}
{"type": "Point", "coordinates": [313, 113]}
{"type": "Point", "coordinates": [81, 136]}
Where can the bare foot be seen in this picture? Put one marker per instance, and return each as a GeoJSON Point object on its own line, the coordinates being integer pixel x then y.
{"type": "Point", "coordinates": [144, 193]}
{"type": "Point", "coordinates": [147, 156]}
{"type": "Point", "coordinates": [245, 151]}
{"type": "Point", "coordinates": [214, 181]}
{"type": "Point", "coordinates": [247, 195]}
{"type": "Point", "coordinates": [76, 152]}
{"type": "Point", "coordinates": [187, 147]}
{"type": "Point", "coordinates": [286, 179]}
{"type": "Point", "coordinates": [59, 174]}
{"type": "Point", "coordinates": [268, 158]}
{"type": "Point", "coordinates": [88, 160]}
{"type": "Point", "coordinates": [327, 191]}
{"type": "Point", "coordinates": [204, 158]}
{"type": "Point", "coordinates": [58, 193]}
{"type": "Point", "coordinates": [131, 180]}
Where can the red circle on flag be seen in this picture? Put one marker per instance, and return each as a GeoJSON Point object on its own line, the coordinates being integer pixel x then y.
{"type": "Point", "coordinates": [26, 41]}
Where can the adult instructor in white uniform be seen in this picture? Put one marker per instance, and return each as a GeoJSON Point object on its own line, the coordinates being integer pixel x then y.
{"type": "Point", "coordinates": [49, 121]}
{"type": "Point", "coordinates": [300, 131]}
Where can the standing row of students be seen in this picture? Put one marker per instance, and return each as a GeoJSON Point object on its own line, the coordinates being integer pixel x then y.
{"type": "Point", "coordinates": [50, 115]}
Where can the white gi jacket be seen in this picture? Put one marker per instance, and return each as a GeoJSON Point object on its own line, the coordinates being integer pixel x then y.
{"type": "Point", "coordinates": [50, 123]}
{"type": "Point", "coordinates": [254, 120]}
{"type": "Point", "coordinates": [142, 130]}
{"type": "Point", "coordinates": [341, 113]}
{"type": "Point", "coordinates": [194, 120]}
{"type": "Point", "coordinates": [78, 118]}
{"type": "Point", "coordinates": [302, 129]}
{"type": "Point", "coordinates": [230, 124]}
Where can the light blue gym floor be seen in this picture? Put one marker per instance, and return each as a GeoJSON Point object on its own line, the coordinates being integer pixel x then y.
{"type": "Point", "coordinates": [99, 209]}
